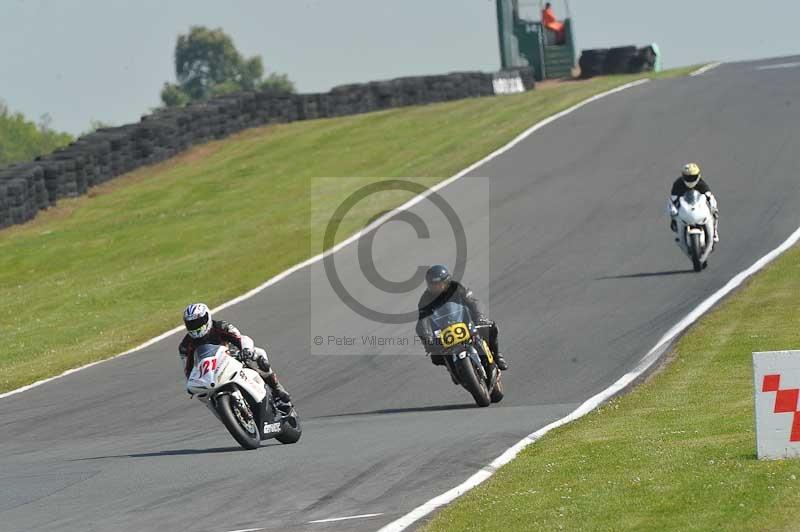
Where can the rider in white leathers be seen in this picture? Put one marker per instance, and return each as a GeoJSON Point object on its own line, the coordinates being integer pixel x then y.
{"type": "Point", "coordinates": [691, 178]}
{"type": "Point", "coordinates": [201, 329]}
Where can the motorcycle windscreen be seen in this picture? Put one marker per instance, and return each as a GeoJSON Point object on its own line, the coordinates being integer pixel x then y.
{"type": "Point", "coordinates": [207, 358]}
{"type": "Point", "coordinates": [692, 197]}
{"type": "Point", "coordinates": [694, 208]}
{"type": "Point", "coordinates": [447, 314]}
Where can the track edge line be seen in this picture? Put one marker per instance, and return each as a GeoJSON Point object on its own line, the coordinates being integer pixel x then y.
{"type": "Point", "coordinates": [655, 354]}
{"type": "Point", "coordinates": [705, 68]}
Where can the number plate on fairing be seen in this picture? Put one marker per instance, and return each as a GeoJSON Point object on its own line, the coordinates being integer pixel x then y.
{"type": "Point", "coordinates": [454, 334]}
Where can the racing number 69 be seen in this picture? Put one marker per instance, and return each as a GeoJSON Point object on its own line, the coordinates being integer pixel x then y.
{"type": "Point", "coordinates": [455, 334]}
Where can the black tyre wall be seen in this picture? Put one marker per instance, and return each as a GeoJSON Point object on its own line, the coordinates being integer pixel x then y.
{"type": "Point", "coordinates": [109, 152]}
{"type": "Point", "coordinates": [618, 60]}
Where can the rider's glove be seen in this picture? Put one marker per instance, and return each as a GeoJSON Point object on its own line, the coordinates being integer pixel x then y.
{"type": "Point", "coordinates": [673, 225]}
{"type": "Point", "coordinates": [247, 354]}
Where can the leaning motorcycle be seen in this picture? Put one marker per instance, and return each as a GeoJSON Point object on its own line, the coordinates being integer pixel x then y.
{"type": "Point", "coordinates": [695, 227]}
{"type": "Point", "coordinates": [466, 353]}
{"type": "Point", "coordinates": [239, 398]}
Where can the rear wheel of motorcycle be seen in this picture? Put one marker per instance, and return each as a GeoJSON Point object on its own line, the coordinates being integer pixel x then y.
{"type": "Point", "coordinates": [470, 380]}
{"type": "Point", "coordinates": [497, 392]}
{"type": "Point", "coordinates": [696, 250]}
{"type": "Point", "coordinates": [290, 430]}
{"type": "Point", "coordinates": [239, 433]}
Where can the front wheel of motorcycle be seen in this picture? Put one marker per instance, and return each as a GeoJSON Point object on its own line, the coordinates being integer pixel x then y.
{"type": "Point", "coordinates": [473, 384]}
{"type": "Point", "coordinates": [243, 430]}
{"type": "Point", "coordinates": [696, 250]}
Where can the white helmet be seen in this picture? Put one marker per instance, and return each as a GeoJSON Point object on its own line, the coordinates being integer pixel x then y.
{"type": "Point", "coordinates": [197, 319]}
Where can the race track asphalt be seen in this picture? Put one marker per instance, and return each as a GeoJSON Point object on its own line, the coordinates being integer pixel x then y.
{"type": "Point", "coordinates": [583, 279]}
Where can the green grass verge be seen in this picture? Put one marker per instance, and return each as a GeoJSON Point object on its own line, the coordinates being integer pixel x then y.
{"type": "Point", "coordinates": [677, 453]}
{"type": "Point", "coordinates": [100, 274]}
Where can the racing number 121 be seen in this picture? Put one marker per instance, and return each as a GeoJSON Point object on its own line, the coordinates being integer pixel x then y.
{"type": "Point", "coordinates": [208, 364]}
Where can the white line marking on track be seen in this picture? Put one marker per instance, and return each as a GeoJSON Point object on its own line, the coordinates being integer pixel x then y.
{"type": "Point", "coordinates": [74, 370]}
{"type": "Point", "coordinates": [316, 258]}
{"type": "Point", "coordinates": [332, 519]}
{"type": "Point", "coordinates": [779, 65]}
{"type": "Point", "coordinates": [703, 69]}
{"type": "Point", "coordinates": [593, 402]}
{"type": "Point", "coordinates": [247, 530]}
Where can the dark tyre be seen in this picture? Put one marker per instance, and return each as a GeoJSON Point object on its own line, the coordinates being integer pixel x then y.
{"type": "Point", "coordinates": [591, 62]}
{"type": "Point", "coordinates": [236, 422]}
{"type": "Point", "coordinates": [290, 430]}
{"type": "Point", "coordinates": [497, 392]}
{"type": "Point", "coordinates": [696, 250]}
{"type": "Point", "coordinates": [473, 384]}
{"type": "Point", "coordinates": [618, 60]}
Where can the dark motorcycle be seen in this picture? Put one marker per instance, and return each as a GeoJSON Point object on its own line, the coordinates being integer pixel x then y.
{"type": "Point", "coordinates": [466, 353]}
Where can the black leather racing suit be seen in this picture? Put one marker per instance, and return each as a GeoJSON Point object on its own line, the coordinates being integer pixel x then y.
{"type": "Point", "coordinates": [679, 188]}
{"type": "Point", "coordinates": [457, 293]}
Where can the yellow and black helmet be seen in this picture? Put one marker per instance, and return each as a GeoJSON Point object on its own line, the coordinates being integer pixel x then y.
{"type": "Point", "coordinates": [691, 174]}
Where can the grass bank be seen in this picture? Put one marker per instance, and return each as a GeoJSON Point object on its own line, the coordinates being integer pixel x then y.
{"type": "Point", "coordinates": [99, 274]}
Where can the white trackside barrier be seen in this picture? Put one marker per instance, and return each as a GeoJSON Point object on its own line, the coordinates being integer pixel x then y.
{"type": "Point", "coordinates": [508, 84]}
{"type": "Point", "coordinates": [777, 387]}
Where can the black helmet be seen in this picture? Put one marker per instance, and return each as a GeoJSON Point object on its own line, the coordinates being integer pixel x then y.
{"type": "Point", "coordinates": [437, 274]}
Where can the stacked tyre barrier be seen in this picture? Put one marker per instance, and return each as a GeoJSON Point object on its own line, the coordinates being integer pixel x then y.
{"type": "Point", "coordinates": [619, 60]}
{"type": "Point", "coordinates": [26, 189]}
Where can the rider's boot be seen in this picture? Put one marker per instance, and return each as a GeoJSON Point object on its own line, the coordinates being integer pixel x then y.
{"type": "Point", "coordinates": [494, 347]}
{"type": "Point", "coordinates": [269, 376]}
{"type": "Point", "coordinates": [500, 361]}
{"type": "Point", "coordinates": [278, 390]}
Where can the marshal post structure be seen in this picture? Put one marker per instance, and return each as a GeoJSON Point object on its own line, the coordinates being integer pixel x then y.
{"type": "Point", "coordinates": [525, 41]}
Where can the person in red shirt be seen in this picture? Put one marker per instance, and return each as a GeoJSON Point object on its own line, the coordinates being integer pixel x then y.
{"type": "Point", "coordinates": [549, 21]}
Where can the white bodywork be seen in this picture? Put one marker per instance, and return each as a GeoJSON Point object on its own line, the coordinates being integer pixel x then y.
{"type": "Point", "coordinates": [693, 216]}
{"type": "Point", "coordinates": [216, 369]}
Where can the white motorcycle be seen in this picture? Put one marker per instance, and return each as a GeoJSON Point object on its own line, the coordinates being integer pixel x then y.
{"type": "Point", "coordinates": [238, 397]}
{"type": "Point", "coordinates": [695, 223]}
